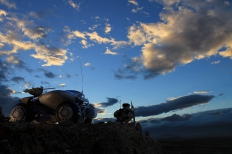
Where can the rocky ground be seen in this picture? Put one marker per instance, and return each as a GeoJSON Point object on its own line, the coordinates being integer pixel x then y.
{"type": "Point", "coordinates": [99, 138]}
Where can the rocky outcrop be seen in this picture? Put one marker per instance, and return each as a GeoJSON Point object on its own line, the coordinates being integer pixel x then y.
{"type": "Point", "coordinates": [99, 138]}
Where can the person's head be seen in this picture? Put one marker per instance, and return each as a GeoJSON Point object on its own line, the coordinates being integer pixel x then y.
{"type": "Point", "coordinates": [125, 105]}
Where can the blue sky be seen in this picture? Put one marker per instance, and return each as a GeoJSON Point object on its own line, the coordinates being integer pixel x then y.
{"type": "Point", "coordinates": [146, 51]}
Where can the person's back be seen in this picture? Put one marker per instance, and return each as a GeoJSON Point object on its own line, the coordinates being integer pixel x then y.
{"type": "Point", "coordinates": [125, 114]}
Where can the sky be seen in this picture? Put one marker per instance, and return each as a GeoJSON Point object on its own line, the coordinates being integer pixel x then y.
{"type": "Point", "coordinates": [171, 58]}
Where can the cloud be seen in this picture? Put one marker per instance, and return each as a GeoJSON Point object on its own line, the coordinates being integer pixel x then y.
{"type": "Point", "coordinates": [173, 104]}
{"type": "Point", "coordinates": [110, 52]}
{"type": "Point", "coordinates": [227, 52]}
{"type": "Point", "coordinates": [110, 102]}
{"type": "Point", "coordinates": [201, 124]}
{"type": "Point", "coordinates": [62, 84]}
{"type": "Point", "coordinates": [216, 62]}
{"type": "Point", "coordinates": [107, 28]}
{"type": "Point", "coordinates": [101, 110]}
{"type": "Point", "coordinates": [85, 44]}
{"type": "Point", "coordinates": [6, 101]}
{"type": "Point", "coordinates": [18, 63]}
{"type": "Point", "coordinates": [50, 55]}
{"type": "Point", "coordinates": [2, 12]}
{"type": "Point", "coordinates": [221, 94]}
{"type": "Point", "coordinates": [9, 66]}
{"type": "Point", "coordinates": [133, 2]}
{"type": "Point", "coordinates": [184, 34]}
{"type": "Point", "coordinates": [17, 79]}
{"type": "Point", "coordinates": [39, 15]}
{"type": "Point", "coordinates": [216, 113]}
{"type": "Point", "coordinates": [67, 75]}
{"type": "Point", "coordinates": [93, 27]}
{"type": "Point", "coordinates": [76, 6]}
{"type": "Point", "coordinates": [8, 4]}
{"type": "Point", "coordinates": [79, 34]}
{"type": "Point", "coordinates": [36, 32]}
{"type": "Point", "coordinates": [23, 35]}
{"type": "Point", "coordinates": [129, 70]}
{"type": "Point", "coordinates": [87, 64]}
{"type": "Point", "coordinates": [137, 9]}
{"type": "Point", "coordinates": [103, 120]}
{"type": "Point", "coordinates": [176, 117]}
{"type": "Point", "coordinates": [91, 36]}
{"type": "Point", "coordinates": [47, 73]}
{"type": "Point", "coordinates": [11, 40]}
{"type": "Point", "coordinates": [45, 82]}
{"type": "Point", "coordinates": [202, 92]}
{"type": "Point", "coordinates": [4, 68]}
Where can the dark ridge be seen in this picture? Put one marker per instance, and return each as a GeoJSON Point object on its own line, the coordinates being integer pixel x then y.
{"type": "Point", "coordinates": [107, 138]}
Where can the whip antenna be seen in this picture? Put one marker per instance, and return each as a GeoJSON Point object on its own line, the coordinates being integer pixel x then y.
{"type": "Point", "coordinates": [81, 72]}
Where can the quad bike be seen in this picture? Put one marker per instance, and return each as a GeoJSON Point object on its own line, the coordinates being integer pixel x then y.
{"type": "Point", "coordinates": [54, 106]}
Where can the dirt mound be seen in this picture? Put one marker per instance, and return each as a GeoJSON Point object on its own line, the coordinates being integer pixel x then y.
{"type": "Point", "coordinates": [75, 138]}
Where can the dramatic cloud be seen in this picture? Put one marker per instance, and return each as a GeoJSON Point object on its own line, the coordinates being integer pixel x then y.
{"type": "Point", "coordinates": [50, 55]}
{"type": "Point", "coordinates": [23, 35]}
{"type": "Point", "coordinates": [189, 30]}
{"type": "Point", "coordinates": [201, 124]}
{"type": "Point", "coordinates": [173, 104]}
{"type": "Point", "coordinates": [227, 53]}
{"type": "Point", "coordinates": [6, 101]}
{"type": "Point", "coordinates": [130, 70]}
{"type": "Point", "coordinates": [110, 102]}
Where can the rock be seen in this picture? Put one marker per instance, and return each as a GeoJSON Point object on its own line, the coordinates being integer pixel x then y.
{"type": "Point", "coordinates": [101, 138]}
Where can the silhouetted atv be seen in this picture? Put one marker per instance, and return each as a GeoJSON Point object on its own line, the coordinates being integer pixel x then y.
{"type": "Point", "coordinates": [53, 106]}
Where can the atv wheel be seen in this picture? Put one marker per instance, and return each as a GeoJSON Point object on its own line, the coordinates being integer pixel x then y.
{"type": "Point", "coordinates": [20, 113]}
{"type": "Point", "coordinates": [67, 111]}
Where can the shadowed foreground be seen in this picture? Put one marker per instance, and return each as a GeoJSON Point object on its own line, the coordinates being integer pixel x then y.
{"type": "Point", "coordinates": [216, 145]}
{"type": "Point", "coordinates": [110, 138]}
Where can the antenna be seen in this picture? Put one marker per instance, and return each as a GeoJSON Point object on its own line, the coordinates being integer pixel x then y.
{"type": "Point", "coordinates": [81, 72]}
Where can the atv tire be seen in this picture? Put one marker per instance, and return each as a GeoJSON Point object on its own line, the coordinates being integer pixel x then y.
{"type": "Point", "coordinates": [66, 112]}
{"type": "Point", "coordinates": [21, 113]}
